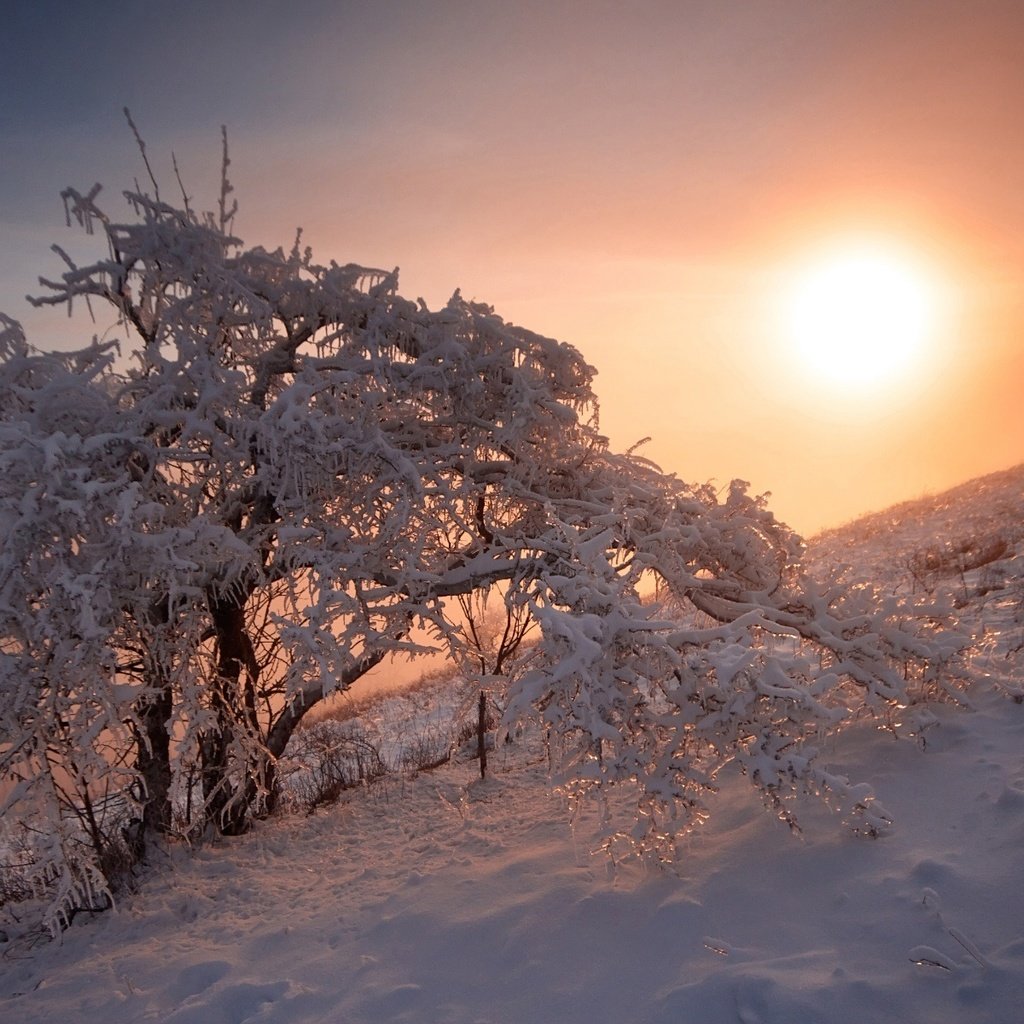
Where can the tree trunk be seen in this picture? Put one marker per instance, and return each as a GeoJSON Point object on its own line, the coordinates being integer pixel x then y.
{"type": "Point", "coordinates": [154, 760]}
{"type": "Point", "coordinates": [213, 745]}
{"type": "Point", "coordinates": [227, 804]}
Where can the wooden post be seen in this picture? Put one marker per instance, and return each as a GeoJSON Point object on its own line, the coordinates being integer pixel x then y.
{"type": "Point", "coordinates": [481, 732]}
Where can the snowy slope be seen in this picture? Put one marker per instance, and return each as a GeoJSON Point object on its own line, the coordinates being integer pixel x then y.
{"type": "Point", "coordinates": [444, 898]}
{"type": "Point", "coordinates": [880, 544]}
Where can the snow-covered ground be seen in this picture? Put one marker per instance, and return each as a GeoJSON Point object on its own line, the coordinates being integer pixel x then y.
{"type": "Point", "coordinates": [442, 897]}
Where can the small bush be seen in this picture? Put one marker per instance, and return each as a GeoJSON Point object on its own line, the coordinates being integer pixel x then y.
{"type": "Point", "coordinates": [955, 558]}
{"type": "Point", "coordinates": [428, 749]}
{"type": "Point", "coordinates": [327, 758]}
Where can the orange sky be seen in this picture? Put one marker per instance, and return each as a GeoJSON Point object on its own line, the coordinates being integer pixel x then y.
{"type": "Point", "coordinates": [634, 179]}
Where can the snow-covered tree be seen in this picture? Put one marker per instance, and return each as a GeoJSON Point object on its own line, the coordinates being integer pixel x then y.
{"type": "Point", "coordinates": [287, 469]}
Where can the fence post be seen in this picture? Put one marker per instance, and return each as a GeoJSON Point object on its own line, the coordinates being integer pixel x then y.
{"type": "Point", "coordinates": [481, 730]}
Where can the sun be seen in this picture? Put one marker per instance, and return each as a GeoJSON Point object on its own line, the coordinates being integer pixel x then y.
{"type": "Point", "coordinates": [860, 315]}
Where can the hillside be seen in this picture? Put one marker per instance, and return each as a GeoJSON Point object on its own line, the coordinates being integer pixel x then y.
{"type": "Point", "coordinates": [974, 516]}
{"type": "Point", "coordinates": [435, 896]}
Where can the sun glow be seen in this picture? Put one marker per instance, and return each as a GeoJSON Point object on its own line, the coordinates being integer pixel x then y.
{"type": "Point", "coordinates": [860, 315]}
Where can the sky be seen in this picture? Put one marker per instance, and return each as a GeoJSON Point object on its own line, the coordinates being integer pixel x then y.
{"type": "Point", "coordinates": [648, 181]}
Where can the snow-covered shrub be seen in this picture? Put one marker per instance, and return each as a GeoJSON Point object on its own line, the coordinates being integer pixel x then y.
{"type": "Point", "coordinates": [955, 559]}
{"type": "Point", "coordinates": [326, 758]}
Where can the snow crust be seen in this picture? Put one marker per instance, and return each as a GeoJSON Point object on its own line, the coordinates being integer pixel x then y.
{"type": "Point", "coordinates": [444, 898]}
